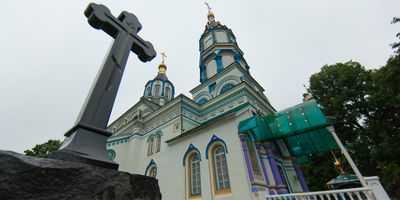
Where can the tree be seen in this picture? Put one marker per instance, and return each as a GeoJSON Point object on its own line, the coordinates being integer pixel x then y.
{"type": "Point", "coordinates": [43, 150]}
{"type": "Point", "coordinates": [396, 45]}
{"type": "Point", "coordinates": [365, 104]}
{"type": "Point", "coordinates": [342, 90]}
{"type": "Point", "coordinates": [384, 124]}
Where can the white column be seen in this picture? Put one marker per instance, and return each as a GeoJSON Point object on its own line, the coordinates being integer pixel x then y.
{"type": "Point", "coordinates": [346, 154]}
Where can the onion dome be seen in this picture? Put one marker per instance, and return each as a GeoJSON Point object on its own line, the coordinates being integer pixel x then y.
{"type": "Point", "coordinates": [160, 90]}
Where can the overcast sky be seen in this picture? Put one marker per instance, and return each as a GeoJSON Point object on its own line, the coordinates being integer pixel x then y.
{"type": "Point", "coordinates": [50, 55]}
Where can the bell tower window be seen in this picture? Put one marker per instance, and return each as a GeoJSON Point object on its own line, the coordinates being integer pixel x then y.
{"type": "Point", "coordinates": [221, 36]}
{"type": "Point", "coordinates": [167, 92]}
{"type": "Point", "coordinates": [208, 41]}
{"type": "Point", "coordinates": [157, 90]}
{"type": "Point", "coordinates": [211, 68]}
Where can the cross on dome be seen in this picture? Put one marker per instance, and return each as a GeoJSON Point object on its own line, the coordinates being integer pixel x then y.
{"type": "Point", "coordinates": [210, 14]}
{"type": "Point", "coordinates": [162, 68]}
{"type": "Point", "coordinates": [208, 6]}
{"type": "Point", "coordinates": [163, 56]}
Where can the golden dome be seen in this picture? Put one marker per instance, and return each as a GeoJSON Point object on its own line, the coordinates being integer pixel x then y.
{"type": "Point", "coordinates": [210, 14]}
{"type": "Point", "coordinates": [162, 68]}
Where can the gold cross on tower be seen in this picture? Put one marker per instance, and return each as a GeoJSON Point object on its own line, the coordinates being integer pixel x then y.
{"type": "Point", "coordinates": [163, 56]}
{"type": "Point", "coordinates": [208, 6]}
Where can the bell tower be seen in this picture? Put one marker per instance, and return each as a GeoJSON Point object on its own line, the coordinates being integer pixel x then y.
{"type": "Point", "coordinates": [218, 49]}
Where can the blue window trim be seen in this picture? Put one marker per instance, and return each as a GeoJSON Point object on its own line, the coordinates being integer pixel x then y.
{"type": "Point", "coordinates": [213, 140]}
{"type": "Point", "coordinates": [159, 132]}
{"type": "Point", "coordinates": [151, 136]}
{"type": "Point", "coordinates": [190, 149]}
{"type": "Point", "coordinates": [149, 165]}
{"type": "Point", "coordinates": [151, 89]}
{"type": "Point", "coordinates": [163, 87]}
{"type": "Point", "coordinates": [211, 87]}
{"type": "Point", "coordinates": [218, 60]}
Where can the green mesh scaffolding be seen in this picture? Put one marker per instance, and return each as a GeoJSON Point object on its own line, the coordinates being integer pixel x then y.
{"type": "Point", "coordinates": [303, 127]}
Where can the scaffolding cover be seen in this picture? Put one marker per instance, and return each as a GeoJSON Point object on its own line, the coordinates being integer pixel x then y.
{"type": "Point", "coordinates": [303, 127]}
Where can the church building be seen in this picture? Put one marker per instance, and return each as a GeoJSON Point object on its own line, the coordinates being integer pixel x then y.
{"type": "Point", "coordinates": [192, 145]}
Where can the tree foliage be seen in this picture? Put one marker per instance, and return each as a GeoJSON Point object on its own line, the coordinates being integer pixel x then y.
{"type": "Point", "coordinates": [365, 104]}
{"type": "Point", "coordinates": [396, 45]}
{"type": "Point", "coordinates": [43, 150]}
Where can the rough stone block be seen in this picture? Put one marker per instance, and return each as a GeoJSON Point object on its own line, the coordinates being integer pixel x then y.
{"type": "Point", "coordinates": [25, 177]}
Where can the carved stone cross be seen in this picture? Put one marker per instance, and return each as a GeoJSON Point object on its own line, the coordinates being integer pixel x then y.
{"type": "Point", "coordinates": [86, 141]}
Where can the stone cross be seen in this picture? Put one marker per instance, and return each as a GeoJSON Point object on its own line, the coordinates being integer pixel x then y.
{"type": "Point", "coordinates": [86, 141]}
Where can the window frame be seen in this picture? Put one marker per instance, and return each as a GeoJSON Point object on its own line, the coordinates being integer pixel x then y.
{"type": "Point", "coordinates": [158, 143]}
{"type": "Point", "coordinates": [216, 188]}
{"type": "Point", "coordinates": [190, 175]}
{"type": "Point", "coordinates": [207, 38]}
{"type": "Point", "coordinates": [152, 170]}
{"type": "Point", "coordinates": [150, 146]}
{"type": "Point", "coordinates": [167, 93]}
{"type": "Point", "coordinates": [157, 88]}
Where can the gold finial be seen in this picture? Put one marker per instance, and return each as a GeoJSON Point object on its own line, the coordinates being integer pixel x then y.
{"type": "Point", "coordinates": [338, 164]}
{"type": "Point", "coordinates": [210, 14]}
{"type": "Point", "coordinates": [162, 68]}
{"type": "Point", "coordinates": [307, 96]}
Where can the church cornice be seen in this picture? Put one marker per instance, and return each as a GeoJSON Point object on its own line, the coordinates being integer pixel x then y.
{"type": "Point", "coordinates": [222, 73]}
{"type": "Point", "coordinates": [220, 46]}
{"type": "Point", "coordinates": [239, 97]}
{"type": "Point", "coordinates": [127, 117]}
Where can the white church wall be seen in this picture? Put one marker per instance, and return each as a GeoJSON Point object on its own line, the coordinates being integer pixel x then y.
{"type": "Point", "coordinates": [172, 129]}
{"type": "Point", "coordinates": [188, 124]}
{"type": "Point", "coordinates": [135, 152]}
{"type": "Point", "coordinates": [172, 174]}
{"type": "Point", "coordinates": [121, 153]}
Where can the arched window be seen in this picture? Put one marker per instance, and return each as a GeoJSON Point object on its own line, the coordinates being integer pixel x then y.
{"type": "Point", "coordinates": [221, 36]}
{"type": "Point", "coordinates": [157, 90]}
{"type": "Point", "coordinates": [147, 91]}
{"type": "Point", "coordinates": [158, 147]}
{"type": "Point", "coordinates": [152, 172]}
{"type": "Point", "coordinates": [151, 169]}
{"type": "Point", "coordinates": [150, 147]}
{"type": "Point", "coordinates": [220, 169]}
{"type": "Point", "coordinates": [226, 87]}
{"type": "Point", "coordinates": [211, 68]}
{"type": "Point", "coordinates": [227, 59]}
{"type": "Point", "coordinates": [194, 174]}
{"type": "Point", "coordinates": [167, 92]}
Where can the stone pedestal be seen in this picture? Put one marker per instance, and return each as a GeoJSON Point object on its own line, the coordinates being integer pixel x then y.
{"type": "Point", "coordinates": [25, 177]}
